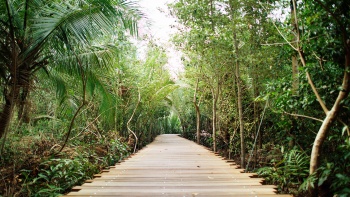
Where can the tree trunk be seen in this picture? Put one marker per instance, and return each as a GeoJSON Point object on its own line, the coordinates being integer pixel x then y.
{"type": "Point", "coordinates": [256, 117]}
{"type": "Point", "coordinates": [214, 122]}
{"type": "Point", "coordinates": [150, 136]}
{"type": "Point", "coordinates": [332, 114]}
{"type": "Point", "coordinates": [5, 117]}
{"type": "Point", "coordinates": [198, 119]}
{"type": "Point", "coordinates": [295, 69]}
{"type": "Point", "coordinates": [234, 125]}
{"type": "Point", "coordinates": [198, 114]}
{"type": "Point", "coordinates": [320, 138]}
{"type": "Point", "coordinates": [8, 109]}
{"type": "Point", "coordinates": [239, 103]}
{"type": "Point", "coordinates": [6, 114]}
{"type": "Point", "coordinates": [215, 94]}
{"type": "Point", "coordinates": [330, 118]}
{"type": "Point", "coordinates": [295, 75]}
{"type": "Point", "coordinates": [240, 116]}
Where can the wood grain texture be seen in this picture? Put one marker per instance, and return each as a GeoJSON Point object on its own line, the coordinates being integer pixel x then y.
{"type": "Point", "coordinates": [174, 166]}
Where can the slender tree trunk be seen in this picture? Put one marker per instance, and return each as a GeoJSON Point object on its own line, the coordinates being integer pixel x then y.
{"type": "Point", "coordinates": [198, 123]}
{"type": "Point", "coordinates": [240, 115]}
{"type": "Point", "coordinates": [214, 124]}
{"type": "Point", "coordinates": [150, 136]}
{"type": "Point", "coordinates": [239, 103]}
{"type": "Point", "coordinates": [131, 117]}
{"type": "Point", "coordinates": [235, 127]}
{"type": "Point", "coordinates": [295, 69]}
{"type": "Point", "coordinates": [238, 82]}
{"type": "Point", "coordinates": [256, 117]}
{"type": "Point", "coordinates": [215, 101]}
{"type": "Point", "coordinates": [330, 118]}
{"type": "Point", "coordinates": [295, 75]}
{"type": "Point", "coordinates": [198, 114]}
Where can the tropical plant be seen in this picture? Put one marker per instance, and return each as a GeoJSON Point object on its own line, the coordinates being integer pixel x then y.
{"type": "Point", "coordinates": [37, 34]}
{"type": "Point", "coordinates": [288, 173]}
{"type": "Point", "coordinates": [57, 175]}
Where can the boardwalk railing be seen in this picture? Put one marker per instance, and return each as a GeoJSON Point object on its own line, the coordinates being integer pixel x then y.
{"type": "Point", "coordinates": [173, 166]}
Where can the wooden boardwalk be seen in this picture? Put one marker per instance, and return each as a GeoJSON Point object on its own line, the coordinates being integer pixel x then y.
{"type": "Point", "coordinates": [173, 166]}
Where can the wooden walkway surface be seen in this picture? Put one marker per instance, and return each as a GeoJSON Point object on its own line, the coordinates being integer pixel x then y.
{"type": "Point", "coordinates": [174, 166]}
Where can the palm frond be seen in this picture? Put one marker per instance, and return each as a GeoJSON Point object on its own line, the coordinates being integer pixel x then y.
{"type": "Point", "coordinates": [82, 22]}
{"type": "Point", "coordinates": [97, 89]}
{"type": "Point", "coordinates": [91, 58]}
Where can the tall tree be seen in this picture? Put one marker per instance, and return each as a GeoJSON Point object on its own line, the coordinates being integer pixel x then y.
{"type": "Point", "coordinates": [330, 30]}
{"type": "Point", "coordinates": [233, 5]}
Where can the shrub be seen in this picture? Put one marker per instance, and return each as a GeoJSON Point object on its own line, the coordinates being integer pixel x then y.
{"type": "Point", "coordinates": [57, 176]}
{"type": "Point", "coordinates": [288, 173]}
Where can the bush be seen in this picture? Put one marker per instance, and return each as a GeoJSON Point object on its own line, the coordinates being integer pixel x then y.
{"type": "Point", "coordinates": [288, 173]}
{"type": "Point", "coordinates": [57, 176]}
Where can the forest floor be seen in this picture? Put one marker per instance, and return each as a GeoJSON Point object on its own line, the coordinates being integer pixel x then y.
{"type": "Point", "coordinates": [32, 165]}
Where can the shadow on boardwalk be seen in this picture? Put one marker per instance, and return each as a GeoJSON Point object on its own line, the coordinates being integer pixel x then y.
{"type": "Point", "coordinates": [173, 166]}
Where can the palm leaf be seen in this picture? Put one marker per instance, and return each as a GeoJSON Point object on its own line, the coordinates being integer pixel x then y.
{"type": "Point", "coordinates": [80, 23]}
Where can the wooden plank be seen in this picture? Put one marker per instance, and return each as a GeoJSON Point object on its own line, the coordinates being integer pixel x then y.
{"type": "Point", "coordinates": [173, 166]}
{"type": "Point", "coordinates": [148, 191]}
{"type": "Point", "coordinates": [195, 194]}
{"type": "Point", "coordinates": [110, 183]}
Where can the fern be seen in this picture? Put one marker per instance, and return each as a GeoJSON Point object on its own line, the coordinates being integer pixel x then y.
{"type": "Point", "coordinates": [289, 173]}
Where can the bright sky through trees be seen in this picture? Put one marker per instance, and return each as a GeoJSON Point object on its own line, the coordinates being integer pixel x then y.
{"type": "Point", "coordinates": [158, 26]}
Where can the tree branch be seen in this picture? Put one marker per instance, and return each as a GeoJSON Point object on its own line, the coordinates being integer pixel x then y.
{"type": "Point", "coordinates": [303, 62]}
{"type": "Point", "coordinates": [128, 124]}
{"type": "Point", "coordinates": [303, 116]}
{"type": "Point", "coordinates": [279, 31]}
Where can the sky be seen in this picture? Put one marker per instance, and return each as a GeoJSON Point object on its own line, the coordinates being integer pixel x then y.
{"type": "Point", "coordinates": [157, 25]}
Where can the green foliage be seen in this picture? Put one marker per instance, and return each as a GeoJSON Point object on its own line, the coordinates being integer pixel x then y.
{"type": "Point", "coordinates": [78, 51]}
{"type": "Point", "coordinates": [288, 173]}
{"type": "Point", "coordinates": [170, 124]}
{"type": "Point", "coordinates": [37, 172]}
{"type": "Point", "coordinates": [56, 176]}
{"type": "Point", "coordinates": [336, 173]}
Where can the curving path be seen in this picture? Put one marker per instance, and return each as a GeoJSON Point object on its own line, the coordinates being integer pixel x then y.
{"type": "Point", "coordinates": [174, 166]}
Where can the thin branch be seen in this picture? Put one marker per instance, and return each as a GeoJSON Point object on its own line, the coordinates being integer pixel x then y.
{"type": "Point", "coordinates": [128, 124]}
{"type": "Point", "coordinates": [276, 44]}
{"type": "Point", "coordinates": [313, 87]}
{"type": "Point", "coordinates": [320, 60]}
{"type": "Point", "coordinates": [345, 125]}
{"type": "Point", "coordinates": [303, 116]}
{"type": "Point", "coordinates": [93, 121]}
{"type": "Point", "coordinates": [279, 31]}
{"type": "Point", "coordinates": [303, 62]}
{"type": "Point", "coordinates": [71, 126]}
{"type": "Point", "coordinates": [284, 43]}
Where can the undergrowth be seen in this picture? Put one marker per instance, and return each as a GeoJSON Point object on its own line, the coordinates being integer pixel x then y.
{"type": "Point", "coordinates": [32, 166]}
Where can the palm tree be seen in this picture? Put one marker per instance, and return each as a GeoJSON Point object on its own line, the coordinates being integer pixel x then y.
{"type": "Point", "coordinates": [40, 34]}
